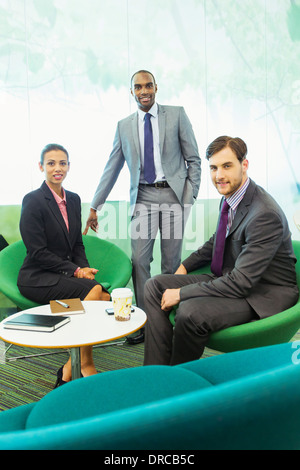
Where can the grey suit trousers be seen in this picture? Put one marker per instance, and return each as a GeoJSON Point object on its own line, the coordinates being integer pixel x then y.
{"type": "Point", "coordinates": [196, 318]}
{"type": "Point", "coordinates": [156, 209]}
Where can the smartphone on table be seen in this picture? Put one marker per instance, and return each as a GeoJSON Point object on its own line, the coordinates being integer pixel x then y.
{"type": "Point", "coordinates": [110, 311]}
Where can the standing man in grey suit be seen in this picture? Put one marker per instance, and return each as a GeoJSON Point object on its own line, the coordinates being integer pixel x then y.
{"type": "Point", "coordinates": [162, 200]}
{"type": "Point", "coordinates": [255, 278]}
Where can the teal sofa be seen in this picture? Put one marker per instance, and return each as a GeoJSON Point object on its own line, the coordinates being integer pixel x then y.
{"type": "Point", "coordinates": [242, 400]}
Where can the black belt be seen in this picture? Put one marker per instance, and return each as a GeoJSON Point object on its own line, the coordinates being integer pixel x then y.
{"type": "Point", "coordinates": [159, 184]}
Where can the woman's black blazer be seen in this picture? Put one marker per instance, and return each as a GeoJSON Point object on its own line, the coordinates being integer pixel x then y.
{"type": "Point", "coordinates": [52, 251]}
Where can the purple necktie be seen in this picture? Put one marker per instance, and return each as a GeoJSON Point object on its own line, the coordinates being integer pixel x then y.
{"type": "Point", "coordinates": [217, 261]}
{"type": "Point", "coordinates": [149, 168]}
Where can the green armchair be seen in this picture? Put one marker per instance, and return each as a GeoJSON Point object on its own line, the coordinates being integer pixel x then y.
{"type": "Point", "coordinates": [243, 400]}
{"type": "Point", "coordinates": [279, 328]}
{"type": "Point", "coordinates": [113, 264]}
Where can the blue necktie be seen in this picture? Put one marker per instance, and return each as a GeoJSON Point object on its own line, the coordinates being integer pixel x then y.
{"type": "Point", "coordinates": [217, 261]}
{"type": "Point", "coordinates": [149, 168]}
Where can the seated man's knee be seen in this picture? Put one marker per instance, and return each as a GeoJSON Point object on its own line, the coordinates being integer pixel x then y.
{"type": "Point", "coordinates": [149, 287]}
{"type": "Point", "coordinates": [189, 314]}
{"type": "Point", "coordinates": [154, 287]}
{"type": "Point", "coordinates": [183, 313]}
{"type": "Point", "coordinates": [195, 316]}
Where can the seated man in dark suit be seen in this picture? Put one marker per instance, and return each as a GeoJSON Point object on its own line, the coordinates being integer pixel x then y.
{"type": "Point", "coordinates": [252, 263]}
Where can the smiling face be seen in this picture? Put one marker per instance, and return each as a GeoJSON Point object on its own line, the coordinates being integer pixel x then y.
{"type": "Point", "coordinates": [143, 89]}
{"type": "Point", "coordinates": [55, 166]}
{"type": "Point", "coordinates": [228, 174]}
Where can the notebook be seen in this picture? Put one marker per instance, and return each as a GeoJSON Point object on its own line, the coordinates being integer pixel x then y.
{"type": "Point", "coordinates": [35, 322]}
{"type": "Point", "coordinates": [74, 306]}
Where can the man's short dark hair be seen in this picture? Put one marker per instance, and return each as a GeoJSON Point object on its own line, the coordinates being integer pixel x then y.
{"type": "Point", "coordinates": [142, 71]}
{"type": "Point", "coordinates": [236, 144]}
{"type": "Point", "coordinates": [50, 147]}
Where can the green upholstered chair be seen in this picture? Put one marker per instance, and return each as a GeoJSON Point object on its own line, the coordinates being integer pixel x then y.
{"type": "Point", "coordinates": [243, 400]}
{"type": "Point", "coordinates": [113, 264]}
{"type": "Point", "coordinates": [279, 328]}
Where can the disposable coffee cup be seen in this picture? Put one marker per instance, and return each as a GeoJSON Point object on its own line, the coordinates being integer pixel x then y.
{"type": "Point", "coordinates": [122, 301]}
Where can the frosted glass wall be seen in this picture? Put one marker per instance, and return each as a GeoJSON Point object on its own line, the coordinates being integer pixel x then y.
{"type": "Point", "coordinates": [65, 68]}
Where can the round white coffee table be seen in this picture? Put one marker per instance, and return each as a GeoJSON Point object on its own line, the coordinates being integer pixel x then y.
{"type": "Point", "coordinates": [94, 326]}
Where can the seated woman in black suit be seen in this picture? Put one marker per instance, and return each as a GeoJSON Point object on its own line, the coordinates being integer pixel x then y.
{"type": "Point", "coordinates": [56, 265]}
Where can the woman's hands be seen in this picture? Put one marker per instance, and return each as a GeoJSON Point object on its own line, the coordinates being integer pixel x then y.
{"type": "Point", "coordinates": [87, 273]}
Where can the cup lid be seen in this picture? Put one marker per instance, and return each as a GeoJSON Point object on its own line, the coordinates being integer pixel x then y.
{"type": "Point", "coordinates": [121, 292]}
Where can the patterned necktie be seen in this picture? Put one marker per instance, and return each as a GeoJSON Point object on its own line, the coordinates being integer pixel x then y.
{"type": "Point", "coordinates": [149, 168]}
{"type": "Point", "coordinates": [217, 261]}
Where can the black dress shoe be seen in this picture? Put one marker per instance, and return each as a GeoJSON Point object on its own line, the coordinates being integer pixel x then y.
{"type": "Point", "coordinates": [136, 339]}
{"type": "Point", "coordinates": [59, 380]}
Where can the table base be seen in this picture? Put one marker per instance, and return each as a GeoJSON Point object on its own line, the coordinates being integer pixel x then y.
{"type": "Point", "coordinates": [75, 363]}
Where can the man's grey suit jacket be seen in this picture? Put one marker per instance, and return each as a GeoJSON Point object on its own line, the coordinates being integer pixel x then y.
{"type": "Point", "coordinates": [179, 156]}
{"type": "Point", "coordinates": [259, 262]}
